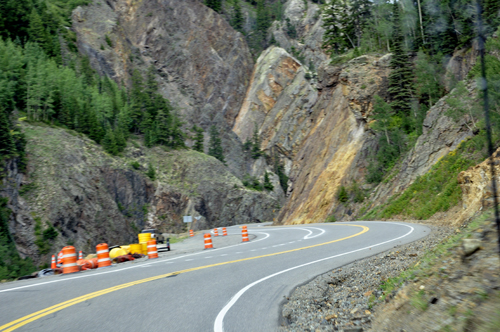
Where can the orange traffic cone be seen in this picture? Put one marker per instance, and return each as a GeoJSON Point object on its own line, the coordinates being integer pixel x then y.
{"type": "Point", "coordinates": [152, 251]}
{"type": "Point", "coordinates": [80, 255]}
{"type": "Point", "coordinates": [216, 232]}
{"type": "Point", "coordinates": [208, 241]}
{"type": "Point", "coordinates": [191, 233]}
{"type": "Point", "coordinates": [224, 231]}
{"type": "Point", "coordinates": [69, 260]}
{"type": "Point", "coordinates": [103, 255]}
{"type": "Point", "coordinates": [244, 233]}
{"type": "Point", "coordinates": [53, 262]}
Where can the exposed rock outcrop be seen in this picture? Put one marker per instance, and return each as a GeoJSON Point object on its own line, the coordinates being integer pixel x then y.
{"type": "Point", "coordinates": [91, 197]}
{"type": "Point", "coordinates": [318, 129]}
{"type": "Point", "coordinates": [203, 65]}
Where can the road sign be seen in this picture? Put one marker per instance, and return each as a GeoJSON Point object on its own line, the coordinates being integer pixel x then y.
{"type": "Point", "coordinates": [188, 219]}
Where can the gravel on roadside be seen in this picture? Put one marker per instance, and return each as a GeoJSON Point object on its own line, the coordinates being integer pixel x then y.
{"type": "Point", "coordinates": [339, 300]}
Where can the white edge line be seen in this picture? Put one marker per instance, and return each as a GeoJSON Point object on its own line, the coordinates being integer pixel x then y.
{"type": "Point", "coordinates": [219, 321]}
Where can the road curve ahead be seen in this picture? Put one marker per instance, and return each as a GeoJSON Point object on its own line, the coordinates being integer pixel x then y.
{"type": "Point", "coordinates": [233, 288]}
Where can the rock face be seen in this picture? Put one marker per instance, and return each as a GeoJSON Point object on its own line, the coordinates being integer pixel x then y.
{"type": "Point", "coordinates": [317, 129]}
{"type": "Point", "coordinates": [203, 65]}
{"type": "Point", "coordinates": [477, 191]}
{"type": "Point", "coordinates": [91, 197]}
{"type": "Point", "coordinates": [305, 16]}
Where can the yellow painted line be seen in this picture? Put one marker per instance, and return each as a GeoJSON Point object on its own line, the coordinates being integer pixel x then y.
{"type": "Point", "coordinates": [47, 311]}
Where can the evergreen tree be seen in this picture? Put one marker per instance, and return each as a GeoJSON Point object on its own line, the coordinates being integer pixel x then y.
{"type": "Point", "coordinates": [177, 135]}
{"type": "Point", "coordinates": [164, 124]}
{"type": "Point", "coordinates": [382, 114]}
{"type": "Point", "coordinates": [401, 76]}
{"type": "Point", "coordinates": [215, 145]}
{"type": "Point", "coordinates": [214, 4]}
{"type": "Point", "coordinates": [109, 142]}
{"type": "Point", "coordinates": [267, 183]}
{"type": "Point", "coordinates": [7, 146]}
{"type": "Point", "coordinates": [199, 139]}
{"type": "Point", "coordinates": [36, 30]}
{"type": "Point", "coordinates": [256, 152]}
{"type": "Point", "coordinates": [238, 19]}
{"type": "Point", "coordinates": [151, 173]}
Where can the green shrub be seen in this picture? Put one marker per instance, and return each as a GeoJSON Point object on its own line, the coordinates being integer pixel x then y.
{"type": "Point", "coordinates": [342, 195]}
{"type": "Point", "coordinates": [331, 218]}
{"type": "Point", "coordinates": [108, 41]}
{"type": "Point", "coordinates": [151, 173]}
{"type": "Point", "coordinates": [135, 165]}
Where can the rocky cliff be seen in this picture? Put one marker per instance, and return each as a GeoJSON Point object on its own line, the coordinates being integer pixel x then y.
{"type": "Point", "coordinates": [317, 128]}
{"type": "Point", "coordinates": [91, 197]}
{"type": "Point", "coordinates": [203, 65]}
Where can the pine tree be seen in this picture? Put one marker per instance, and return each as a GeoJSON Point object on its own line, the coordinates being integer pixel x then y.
{"type": "Point", "coordinates": [36, 30]}
{"type": "Point", "coordinates": [7, 146]}
{"type": "Point", "coordinates": [267, 183]}
{"type": "Point", "coordinates": [256, 152]}
{"type": "Point", "coordinates": [215, 145]}
{"type": "Point", "coordinates": [382, 113]}
{"type": "Point", "coordinates": [109, 142]}
{"type": "Point", "coordinates": [401, 76]}
{"type": "Point", "coordinates": [238, 19]}
{"type": "Point", "coordinates": [198, 139]}
{"type": "Point", "coordinates": [214, 4]}
{"type": "Point", "coordinates": [163, 125]}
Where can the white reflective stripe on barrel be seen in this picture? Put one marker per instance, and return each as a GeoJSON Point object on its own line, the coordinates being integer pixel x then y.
{"type": "Point", "coordinates": [102, 251]}
{"type": "Point", "coordinates": [69, 255]}
{"type": "Point", "coordinates": [152, 246]}
{"type": "Point", "coordinates": [152, 252]}
{"type": "Point", "coordinates": [69, 265]}
{"type": "Point", "coordinates": [103, 260]}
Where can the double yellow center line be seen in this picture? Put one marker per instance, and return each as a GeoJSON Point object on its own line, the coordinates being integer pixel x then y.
{"type": "Point", "coordinates": [47, 311]}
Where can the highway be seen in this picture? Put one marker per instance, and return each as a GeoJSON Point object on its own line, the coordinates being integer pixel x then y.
{"type": "Point", "coordinates": [237, 287]}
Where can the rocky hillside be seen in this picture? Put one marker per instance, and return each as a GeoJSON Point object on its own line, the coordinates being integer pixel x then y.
{"type": "Point", "coordinates": [89, 196]}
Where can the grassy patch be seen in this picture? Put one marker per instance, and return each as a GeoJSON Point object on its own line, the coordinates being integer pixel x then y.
{"type": "Point", "coordinates": [176, 239]}
{"type": "Point", "coordinates": [419, 301]}
{"type": "Point", "coordinates": [438, 189]}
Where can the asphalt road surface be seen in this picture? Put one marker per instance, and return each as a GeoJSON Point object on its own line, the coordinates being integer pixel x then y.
{"type": "Point", "coordinates": [234, 287]}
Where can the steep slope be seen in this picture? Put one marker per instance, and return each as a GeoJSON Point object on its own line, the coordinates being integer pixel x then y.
{"type": "Point", "coordinates": [90, 196]}
{"type": "Point", "coordinates": [317, 129]}
{"type": "Point", "coordinates": [203, 65]}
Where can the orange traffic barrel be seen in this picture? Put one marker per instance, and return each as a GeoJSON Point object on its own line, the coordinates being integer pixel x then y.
{"type": "Point", "coordinates": [152, 251]}
{"type": "Point", "coordinates": [208, 241]}
{"type": "Point", "coordinates": [244, 234]}
{"type": "Point", "coordinates": [53, 262]}
{"type": "Point", "coordinates": [80, 255]}
{"type": "Point", "coordinates": [191, 233]}
{"type": "Point", "coordinates": [59, 257]}
{"type": "Point", "coordinates": [103, 255]}
{"type": "Point", "coordinates": [224, 231]}
{"type": "Point", "coordinates": [87, 264]}
{"type": "Point", "coordinates": [216, 232]}
{"type": "Point", "coordinates": [69, 260]}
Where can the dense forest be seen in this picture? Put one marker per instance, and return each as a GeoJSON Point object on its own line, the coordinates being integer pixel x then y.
{"type": "Point", "coordinates": [422, 36]}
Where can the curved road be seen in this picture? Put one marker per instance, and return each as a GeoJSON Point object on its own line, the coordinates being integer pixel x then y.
{"type": "Point", "coordinates": [234, 288]}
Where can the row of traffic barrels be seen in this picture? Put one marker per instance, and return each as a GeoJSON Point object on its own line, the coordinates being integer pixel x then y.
{"type": "Point", "coordinates": [70, 264]}
{"type": "Point", "coordinates": [208, 238]}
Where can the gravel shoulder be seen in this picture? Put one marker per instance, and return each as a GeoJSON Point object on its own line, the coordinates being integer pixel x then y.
{"type": "Point", "coordinates": [343, 299]}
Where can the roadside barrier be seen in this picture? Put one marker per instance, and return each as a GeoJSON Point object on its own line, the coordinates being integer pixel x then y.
{"type": "Point", "coordinates": [60, 257]}
{"type": "Point", "coordinates": [53, 262]}
{"type": "Point", "coordinates": [69, 260]}
{"type": "Point", "coordinates": [224, 231]}
{"type": "Point", "coordinates": [144, 237]}
{"type": "Point", "coordinates": [244, 234]}
{"type": "Point", "coordinates": [103, 255]}
{"type": "Point", "coordinates": [208, 241]}
{"type": "Point", "coordinates": [191, 233]}
{"type": "Point", "coordinates": [216, 232]}
{"type": "Point", "coordinates": [80, 255]}
{"type": "Point", "coordinates": [144, 248]}
{"type": "Point", "coordinates": [135, 248]}
{"type": "Point", "coordinates": [152, 251]}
